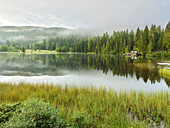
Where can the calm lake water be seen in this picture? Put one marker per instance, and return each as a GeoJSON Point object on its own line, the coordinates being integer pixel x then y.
{"type": "Point", "coordinates": [115, 72]}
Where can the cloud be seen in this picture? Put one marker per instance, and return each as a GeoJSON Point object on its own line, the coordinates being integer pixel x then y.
{"type": "Point", "coordinates": [84, 13]}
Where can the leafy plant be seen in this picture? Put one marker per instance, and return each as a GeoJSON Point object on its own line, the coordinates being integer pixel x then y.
{"type": "Point", "coordinates": [86, 106]}
{"type": "Point", "coordinates": [34, 113]}
{"type": "Point", "coordinates": [6, 111]}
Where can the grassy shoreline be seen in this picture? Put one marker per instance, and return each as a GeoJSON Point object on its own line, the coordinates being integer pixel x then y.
{"type": "Point", "coordinates": [28, 51]}
{"type": "Point", "coordinates": [53, 52]}
{"type": "Point", "coordinates": [99, 107]}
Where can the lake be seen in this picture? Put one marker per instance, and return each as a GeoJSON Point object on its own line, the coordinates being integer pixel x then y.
{"type": "Point", "coordinates": [115, 72]}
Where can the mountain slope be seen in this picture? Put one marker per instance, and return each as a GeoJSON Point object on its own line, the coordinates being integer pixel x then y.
{"type": "Point", "coordinates": [24, 34]}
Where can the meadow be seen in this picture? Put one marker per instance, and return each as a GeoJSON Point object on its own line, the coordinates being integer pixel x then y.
{"type": "Point", "coordinates": [87, 106]}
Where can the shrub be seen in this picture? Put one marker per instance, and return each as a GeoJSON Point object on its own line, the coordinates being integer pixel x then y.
{"type": "Point", "coordinates": [6, 111]}
{"type": "Point", "coordinates": [34, 113]}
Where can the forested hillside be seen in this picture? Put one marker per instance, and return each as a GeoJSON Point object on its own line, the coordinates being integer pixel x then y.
{"type": "Point", "coordinates": [28, 34]}
{"type": "Point", "coordinates": [144, 40]}
{"type": "Point", "coordinates": [147, 40]}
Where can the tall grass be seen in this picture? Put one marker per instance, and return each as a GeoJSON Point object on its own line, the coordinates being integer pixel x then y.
{"type": "Point", "coordinates": [106, 108]}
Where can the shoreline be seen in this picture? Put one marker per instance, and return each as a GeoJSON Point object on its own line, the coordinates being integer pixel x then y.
{"type": "Point", "coordinates": [152, 55]}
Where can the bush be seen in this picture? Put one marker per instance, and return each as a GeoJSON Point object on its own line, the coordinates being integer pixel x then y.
{"type": "Point", "coordinates": [4, 48]}
{"type": "Point", "coordinates": [6, 111]}
{"type": "Point", "coordinates": [34, 113]}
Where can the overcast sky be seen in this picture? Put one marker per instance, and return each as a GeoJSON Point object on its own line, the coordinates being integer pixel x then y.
{"type": "Point", "coordinates": [84, 13]}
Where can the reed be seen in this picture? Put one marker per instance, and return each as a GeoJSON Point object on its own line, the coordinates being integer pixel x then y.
{"type": "Point", "coordinates": [104, 108]}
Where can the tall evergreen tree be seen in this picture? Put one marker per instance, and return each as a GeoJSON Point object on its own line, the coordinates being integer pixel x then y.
{"type": "Point", "coordinates": [137, 39]}
{"type": "Point", "coordinates": [23, 49]}
{"type": "Point", "coordinates": [166, 39]}
{"type": "Point", "coordinates": [145, 40]}
{"type": "Point", "coordinates": [160, 38]}
{"type": "Point", "coordinates": [90, 41]}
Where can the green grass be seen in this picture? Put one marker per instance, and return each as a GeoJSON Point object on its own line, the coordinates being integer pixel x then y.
{"type": "Point", "coordinates": [40, 51]}
{"type": "Point", "coordinates": [93, 107]}
{"type": "Point", "coordinates": [165, 72]}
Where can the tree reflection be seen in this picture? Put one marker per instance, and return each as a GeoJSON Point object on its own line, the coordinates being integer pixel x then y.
{"type": "Point", "coordinates": [53, 64]}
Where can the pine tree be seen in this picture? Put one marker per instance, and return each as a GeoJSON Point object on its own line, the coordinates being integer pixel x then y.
{"type": "Point", "coordinates": [23, 49]}
{"type": "Point", "coordinates": [90, 41]}
{"type": "Point", "coordinates": [152, 38]}
{"type": "Point", "coordinates": [137, 39]}
{"type": "Point", "coordinates": [160, 38]}
{"type": "Point", "coordinates": [166, 39]}
{"type": "Point", "coordinates": [145, 40]}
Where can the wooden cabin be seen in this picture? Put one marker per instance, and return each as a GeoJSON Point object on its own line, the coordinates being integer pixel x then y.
{"type": "Point", "coordinates": [134, 53]}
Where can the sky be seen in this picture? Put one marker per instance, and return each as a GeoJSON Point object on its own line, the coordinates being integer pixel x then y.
{"type": "Point", "coordinates": [112, 14]}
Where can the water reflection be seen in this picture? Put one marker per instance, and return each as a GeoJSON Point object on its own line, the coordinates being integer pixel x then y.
{"type": "Point", "coordinates": [70, 64]}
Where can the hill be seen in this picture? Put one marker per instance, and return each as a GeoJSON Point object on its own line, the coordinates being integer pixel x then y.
{"type": "Point", "coordinates": [24, 34]}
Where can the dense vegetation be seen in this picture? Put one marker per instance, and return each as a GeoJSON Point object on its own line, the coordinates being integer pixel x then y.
{"type": "Point", "coordinates": [82, 107]}
{"type": "Point", "coordinates": [31, 113]}
{"type": "Point", "coordinates": [145, 41]}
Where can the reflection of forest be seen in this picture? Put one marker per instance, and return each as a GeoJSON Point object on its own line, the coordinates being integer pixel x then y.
{"type": "Point", "coordinates": [52, 64]}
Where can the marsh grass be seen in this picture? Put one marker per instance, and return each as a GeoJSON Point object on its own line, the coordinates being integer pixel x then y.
{"type": "Point", "coordinates": [98, 106]}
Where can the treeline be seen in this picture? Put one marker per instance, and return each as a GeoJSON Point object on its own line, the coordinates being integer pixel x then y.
{"type": "Point", "coordinates": [145, 41]}
{"type": "Point", "coordinates": [60, 43]}
{"type": "Point", "coordinates": [10, 47]}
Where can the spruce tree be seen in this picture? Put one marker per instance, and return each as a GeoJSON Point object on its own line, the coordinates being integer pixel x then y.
{"type": "Point", "coordinates": [23, 49]}
{"type": "Point", "coordinates": [166, 39]}
{"type": "Point", "coordinates": [145, 40]}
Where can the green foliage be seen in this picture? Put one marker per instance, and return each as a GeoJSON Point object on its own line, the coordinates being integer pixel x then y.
{"type": "Point", "coordinates": [119, 43]}
{"type": "Point", "coordinates": [159, 54]}
{"type": "Point", "coordinates": [166, 39]}
{"type": "Point", "coordinates": [23, 49]}
{"type": "Point", "coordinates": [80, 119]}
{"type": "Point", "coordinates": [4, 48]}
{"type": "Point", "coordinates": [12, 49]}
{"type": "Point", "coordinates": [7, 111]}
{"type": "Point", "coordinates": [83, 119]}
{"type": "Point", "coordinates": [147, 41]}
{"type": "Point", "coordinates": [61, 49]}
{"type": "Point", "coordinates": [34, 113]}
{"type": "Point", "coordinates": [92, 107]}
